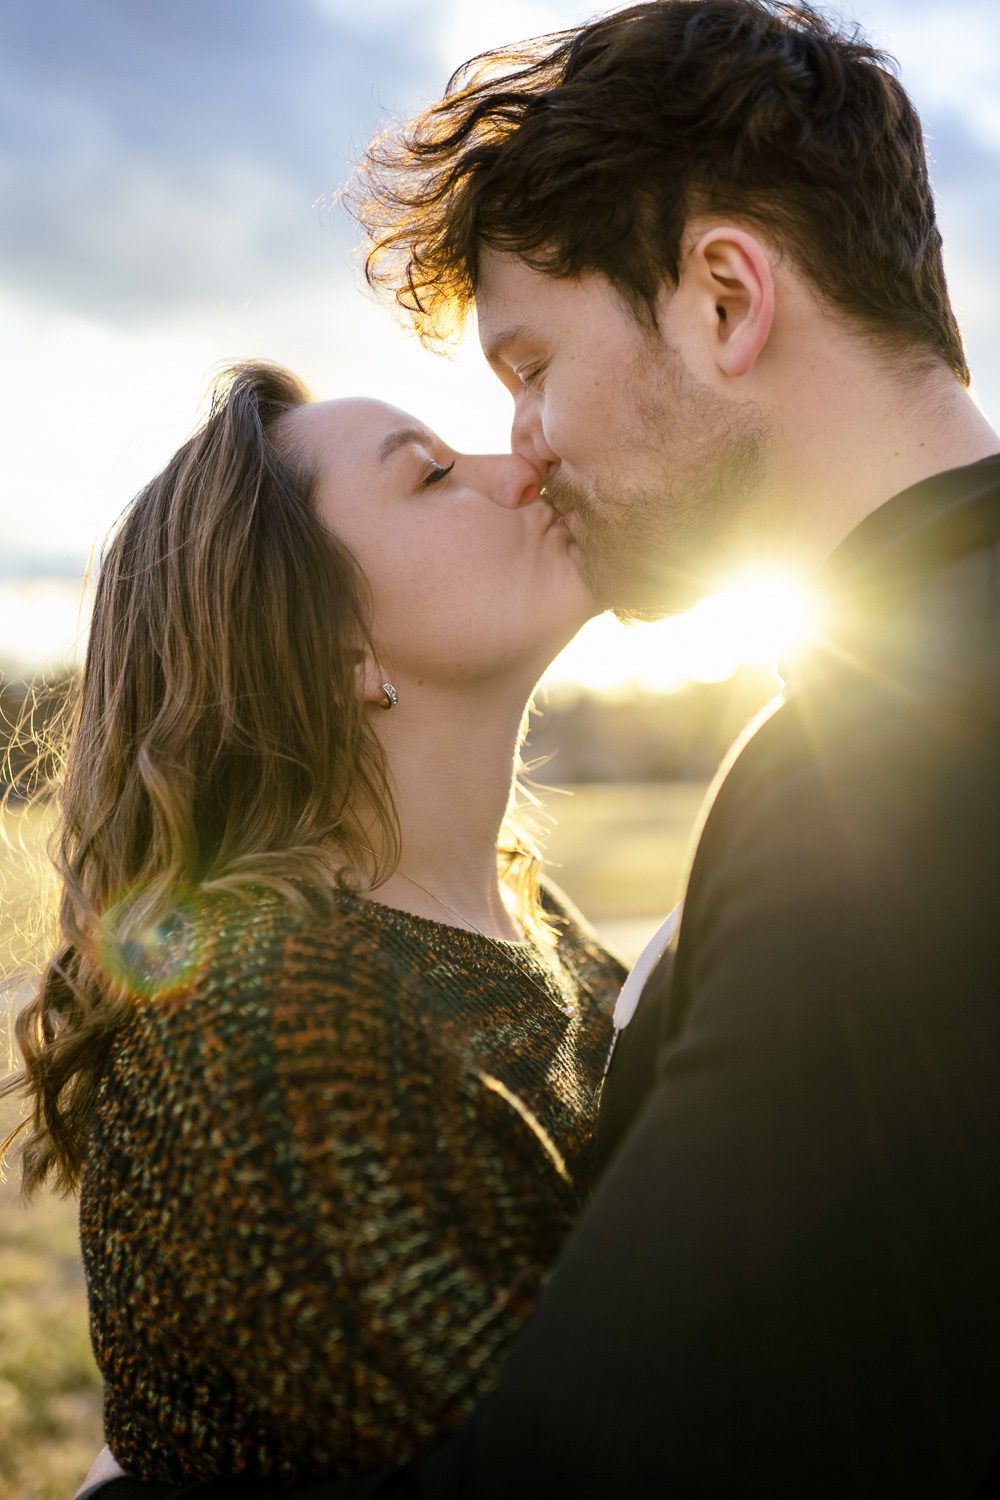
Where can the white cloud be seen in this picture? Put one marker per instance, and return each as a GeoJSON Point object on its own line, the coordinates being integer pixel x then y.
{"type": "Point", "coordinates": [466, 29]}
{"type": "Point", "coordinates": [948, 55]}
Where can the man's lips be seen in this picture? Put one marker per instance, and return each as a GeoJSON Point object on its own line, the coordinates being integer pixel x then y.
{"type": "Point", "coordinates": [551, 493]}
{"type": "Point", "coordinates": [558, 518]}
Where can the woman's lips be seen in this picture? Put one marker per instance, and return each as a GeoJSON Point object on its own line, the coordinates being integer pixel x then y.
{"type": "Point", "coordinates": [559, 520]}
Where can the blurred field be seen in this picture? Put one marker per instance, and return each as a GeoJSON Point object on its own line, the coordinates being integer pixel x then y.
{"type": "Point", "coordinates": [618, 851]}
{"type": "Point", "coordinates": [49, 1391]}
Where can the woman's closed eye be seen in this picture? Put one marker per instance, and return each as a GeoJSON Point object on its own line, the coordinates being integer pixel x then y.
{"type": "Point", "coordinates": [531, 376]}
{"type": "Point", "coordinates": [437, 473]}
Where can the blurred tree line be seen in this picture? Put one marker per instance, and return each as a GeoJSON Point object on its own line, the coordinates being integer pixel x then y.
{"type": "Point", "coordinates": [32, 722]}
{"type": "Point", "coordinates": [645, 736]}
{"type": "Point", "coordinates": [574, 738]}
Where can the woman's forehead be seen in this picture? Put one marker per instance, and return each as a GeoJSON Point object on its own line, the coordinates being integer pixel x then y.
{"type": "Point", "coordinates": [354, 426]}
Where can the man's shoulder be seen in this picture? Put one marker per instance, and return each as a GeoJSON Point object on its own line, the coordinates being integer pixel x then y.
{"type": "Point", "coordinates": [837, 764]}
{"type": "Point", "coordinates": [909, 682]}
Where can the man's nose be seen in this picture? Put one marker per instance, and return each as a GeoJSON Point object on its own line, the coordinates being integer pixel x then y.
{"type": "Point", "coordinates": [527, 438]}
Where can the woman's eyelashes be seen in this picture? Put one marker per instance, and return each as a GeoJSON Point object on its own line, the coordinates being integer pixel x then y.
{"type": "Point", "coordinates": [437, 472]}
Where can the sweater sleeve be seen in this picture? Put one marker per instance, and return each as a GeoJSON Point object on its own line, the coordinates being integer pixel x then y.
{"type": "Point", "coordinates": [291, 1252]}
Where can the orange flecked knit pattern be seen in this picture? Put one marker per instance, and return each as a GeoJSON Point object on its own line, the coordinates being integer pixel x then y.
{"type": "Point", "coordinates": [331, 1162]}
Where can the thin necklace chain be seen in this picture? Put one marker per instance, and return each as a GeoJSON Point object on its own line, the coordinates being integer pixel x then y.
{"type": "Point", "coordinates": [465, 921]}
{"type": "Point", "coordinates": [502, 946]}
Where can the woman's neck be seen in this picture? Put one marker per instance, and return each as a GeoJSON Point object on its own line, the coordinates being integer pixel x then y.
{"type": "Point", "coordinates": [451, 757]}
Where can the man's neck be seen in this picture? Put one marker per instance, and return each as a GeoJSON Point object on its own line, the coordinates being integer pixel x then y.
{"type": "Point", "coordinates": [867, 436]}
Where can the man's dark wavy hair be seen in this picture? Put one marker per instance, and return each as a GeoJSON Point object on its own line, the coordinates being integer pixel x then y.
{"type": "Point", "coordinates": [588, 151]}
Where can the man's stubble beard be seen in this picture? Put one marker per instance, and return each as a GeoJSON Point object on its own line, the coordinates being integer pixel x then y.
{"type": "Point", "coordinates": [653, 546]}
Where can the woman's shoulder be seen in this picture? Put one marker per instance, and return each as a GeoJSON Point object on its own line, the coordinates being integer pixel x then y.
{"type": "Point", "coordinates": [234, 961]}
{"type": "Point", "coordinates": [222, 933]}
{"type": "Point", "coordinates": [257, 1006]}
{"type": "Point", "coordinates": [578, 940]}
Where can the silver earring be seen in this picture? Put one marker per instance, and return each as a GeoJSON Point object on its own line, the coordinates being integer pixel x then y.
{"type": "Point", "coordinates": [390, 695]}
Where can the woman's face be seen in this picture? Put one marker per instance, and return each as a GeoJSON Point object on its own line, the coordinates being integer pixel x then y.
{"type": "Point", "coordinates": [471, 573]}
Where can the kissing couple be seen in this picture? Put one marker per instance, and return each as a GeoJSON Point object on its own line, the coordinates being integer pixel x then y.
{"type": "Point", "coordinates": [323, 1048]}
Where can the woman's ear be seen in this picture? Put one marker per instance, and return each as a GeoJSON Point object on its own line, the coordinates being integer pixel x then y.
{"type": "Point", "coordinates": [731, 269]}
{"type": "Point", "coordinates": [369, 679]}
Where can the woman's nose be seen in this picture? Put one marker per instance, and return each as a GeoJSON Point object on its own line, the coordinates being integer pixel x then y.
{"type": "Point", "coordinates": [509, 479]}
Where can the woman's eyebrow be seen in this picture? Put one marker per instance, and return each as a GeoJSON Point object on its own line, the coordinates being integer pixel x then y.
{"type": "Point", "coordinates": [400, 438]}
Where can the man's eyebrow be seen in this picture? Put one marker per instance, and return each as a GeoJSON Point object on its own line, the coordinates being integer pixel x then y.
{"type": "Point", "coordinates": [498, 346]}
{"type": "Point", "coordinates": [400, 438]}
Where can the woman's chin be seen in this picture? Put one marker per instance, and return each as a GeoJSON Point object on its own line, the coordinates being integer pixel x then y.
{"type": "Point", "coordinates": [558, 642]}
{"type": "Point", "coordinates": [591, 605]}
{"type": "Point", "coordinates": [593, 599]}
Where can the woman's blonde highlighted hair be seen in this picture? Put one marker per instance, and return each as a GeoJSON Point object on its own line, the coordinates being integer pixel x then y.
{"type": "Point", "coordinates": [216, 739]}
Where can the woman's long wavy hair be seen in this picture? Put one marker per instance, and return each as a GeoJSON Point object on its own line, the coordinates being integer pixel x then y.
{"type": "Point", "coordinates": [217, 740]}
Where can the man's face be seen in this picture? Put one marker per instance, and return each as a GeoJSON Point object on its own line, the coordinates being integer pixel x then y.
{"type": "Point", "coordinates": [652, 469]}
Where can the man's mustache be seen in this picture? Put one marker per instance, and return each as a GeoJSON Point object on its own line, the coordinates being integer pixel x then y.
{"type": "Point", "coordinates": [564, 496]}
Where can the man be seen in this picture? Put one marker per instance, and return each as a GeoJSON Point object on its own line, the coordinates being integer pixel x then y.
{"type": "Point", "coordinates": [702, 249]}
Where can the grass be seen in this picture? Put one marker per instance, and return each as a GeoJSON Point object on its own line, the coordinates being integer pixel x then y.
{"type": "Point", "coordinates": [50, 1399]}
{"type": "Point", "coordinates": [50, 1396]}
{"type": "Point", "coordinates": [619, 853]}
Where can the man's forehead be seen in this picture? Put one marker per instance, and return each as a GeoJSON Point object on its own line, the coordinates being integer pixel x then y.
{"type": "Point", "coordinates": [500, 342]}
{"type": "Point", "coordinates": [511, 297]}
{"type": "Point", "coordinates": [519, 307]}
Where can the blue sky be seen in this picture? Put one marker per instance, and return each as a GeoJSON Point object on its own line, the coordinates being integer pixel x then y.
{"type": "Point", "coordinates": [161, 165]}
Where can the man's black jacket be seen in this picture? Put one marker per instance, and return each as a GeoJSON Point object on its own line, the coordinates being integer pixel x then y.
{"type": "Point", "coordinates": [788, 1280]}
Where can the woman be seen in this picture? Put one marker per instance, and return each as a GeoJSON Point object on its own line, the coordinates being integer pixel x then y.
{"type": "Point", "coordinates": [321, 1056]}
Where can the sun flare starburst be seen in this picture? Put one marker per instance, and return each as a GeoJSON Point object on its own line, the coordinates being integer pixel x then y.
{"type": "Point", "coordinates": [754, 622]}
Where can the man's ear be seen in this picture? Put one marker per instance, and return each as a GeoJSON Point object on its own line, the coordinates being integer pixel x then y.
{"type": "Point", "coordinates": [731, 269]}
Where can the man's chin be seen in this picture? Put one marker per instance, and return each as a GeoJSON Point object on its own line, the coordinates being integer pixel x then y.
{"type": "Point", "coordinates": [643, 614]}
{"type": "Point", "coordinates": [636, 591]}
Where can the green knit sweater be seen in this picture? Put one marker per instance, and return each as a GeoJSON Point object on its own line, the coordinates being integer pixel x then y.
{"type": "Point", "coordinates": [331, 1161]}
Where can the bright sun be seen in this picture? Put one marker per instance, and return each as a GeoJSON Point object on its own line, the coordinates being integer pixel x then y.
{"type": "Point", "coordinates": [751, 623]}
